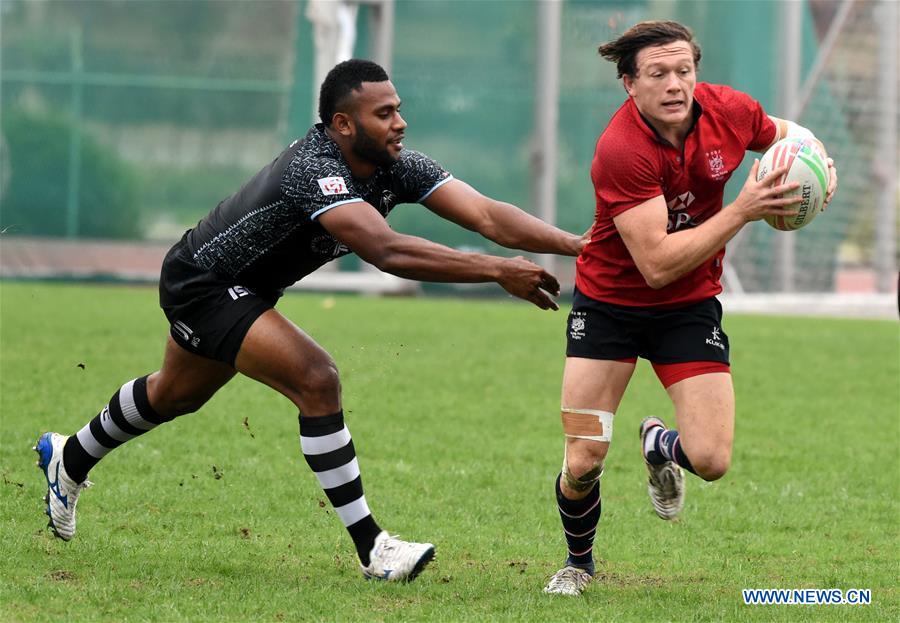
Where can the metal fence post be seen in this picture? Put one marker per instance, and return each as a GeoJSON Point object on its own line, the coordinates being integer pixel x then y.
{"type": "Point", "coordinates": [72, 200]}
{"type": "Point", "coordinates": [886, 164]}
{"type": "Point", "coordinates": [546, 116]}
{"type": "Point", "coordinates": [788, 89]}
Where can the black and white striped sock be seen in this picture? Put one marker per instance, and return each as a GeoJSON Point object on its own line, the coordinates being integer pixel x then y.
{"type": "Point", "coordinates": [127, 416]}
{"type": "Point", "coordinates": [328, 449]}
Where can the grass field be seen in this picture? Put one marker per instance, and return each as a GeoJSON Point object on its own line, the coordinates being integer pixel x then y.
{"type": "Point", "coordinates": [453, 406]}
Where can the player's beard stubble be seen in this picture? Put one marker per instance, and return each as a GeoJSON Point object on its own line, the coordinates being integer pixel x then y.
{"type": "Point", "coordinates": [368, 148]}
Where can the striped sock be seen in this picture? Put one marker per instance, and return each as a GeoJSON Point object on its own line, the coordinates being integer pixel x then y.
{"type": "Point", "coordinates": [328, 449]}
{"type": "Point", "coordinates": [127, 416]}
{"type": "Point", "coordinates": [579, 520]}
{"type": "Point", "coordinates": [667, 446]}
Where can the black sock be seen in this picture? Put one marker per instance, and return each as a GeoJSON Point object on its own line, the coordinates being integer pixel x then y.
{"type": "Point", "coordinates": [127, 416]}
{"type": "Point", "coordinates": [328, 449]}
{"type": "Point", "coordinates": [579, 520]}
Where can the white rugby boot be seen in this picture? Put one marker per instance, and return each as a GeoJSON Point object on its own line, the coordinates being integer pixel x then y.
{"type": "Point", "coordinates": [666, 482]}
{"type": "Point", "coordinates": [568, 581]}
{"type": "Point", "coordinates": [62, 491]}
{"type": "Point", "coordinates": [394, 560]}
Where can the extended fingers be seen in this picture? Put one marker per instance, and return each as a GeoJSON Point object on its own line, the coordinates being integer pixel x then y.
{"type": "Point", "coordinates": [549, 283]}
{"type": "Point", "coordinates": [775, 175]}
{"type": "Point", "coordinates": [542, 299]}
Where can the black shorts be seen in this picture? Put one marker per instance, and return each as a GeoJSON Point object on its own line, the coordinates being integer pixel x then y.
{"type": "Point", "coordinates": [209, 314]}
{"type": "Point", "coordinates": [598, 330]}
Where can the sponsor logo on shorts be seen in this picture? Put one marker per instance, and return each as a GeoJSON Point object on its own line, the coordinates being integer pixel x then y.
{"type": "Point", "coordinates": [186, 333]}
{"type": "Point", "coordinates": [716, 339]}
{"type": "Point", "coordinates": [332, 186]}
{"type": "Point", "coordinates": [577, 325]}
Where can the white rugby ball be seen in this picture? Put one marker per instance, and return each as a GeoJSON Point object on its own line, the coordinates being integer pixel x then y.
{"type": "Point", "coordinates": [808, 168]}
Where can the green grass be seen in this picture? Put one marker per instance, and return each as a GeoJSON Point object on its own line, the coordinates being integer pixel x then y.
{"type": "Point", "coordinates": [453, 406]}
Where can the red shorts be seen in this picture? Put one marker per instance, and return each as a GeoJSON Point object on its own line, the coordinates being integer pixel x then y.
{"type": "Point", "coordinates": [671, 373]}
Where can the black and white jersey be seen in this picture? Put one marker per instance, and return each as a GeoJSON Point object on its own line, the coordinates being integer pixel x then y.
{"type": "Point", "coordinates": [266, 236]}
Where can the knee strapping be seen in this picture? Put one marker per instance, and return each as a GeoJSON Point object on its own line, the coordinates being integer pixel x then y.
{"type": "Point", "coordinates": [590, 424]}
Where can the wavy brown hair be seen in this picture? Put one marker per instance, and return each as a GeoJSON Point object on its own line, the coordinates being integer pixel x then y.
{"type": "Point", "coordinates": [624, 50]}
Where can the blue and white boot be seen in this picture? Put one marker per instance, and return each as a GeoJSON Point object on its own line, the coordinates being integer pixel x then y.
{"type": "Point", "coordinates": [62, 491]}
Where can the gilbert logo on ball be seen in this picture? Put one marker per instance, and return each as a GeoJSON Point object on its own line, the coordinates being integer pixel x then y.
{"type": "Point", "coordinates": [808, 168]}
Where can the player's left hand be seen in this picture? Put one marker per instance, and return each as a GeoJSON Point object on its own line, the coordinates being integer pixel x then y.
{"type": "Point", "coordinates": [832, 182]}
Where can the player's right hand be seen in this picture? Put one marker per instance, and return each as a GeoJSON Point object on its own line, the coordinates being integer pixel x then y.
{"type": "Point", "coordinates": [527, 280]}
{"type": "Point", "coordinates": [761, 198]}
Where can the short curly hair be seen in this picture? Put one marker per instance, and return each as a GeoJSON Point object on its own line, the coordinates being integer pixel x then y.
{"type": "Point", "coordinates": [624, 50]}
{"type": "Point", "coordinates": [342, 80]}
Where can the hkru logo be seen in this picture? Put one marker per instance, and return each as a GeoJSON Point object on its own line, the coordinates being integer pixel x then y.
{"type": "Point", "coordinates": [716, 164]}
{"type": "Point", "coordinates": [716, 339]}
{"type": "Point", "coordinates": [577, 323]}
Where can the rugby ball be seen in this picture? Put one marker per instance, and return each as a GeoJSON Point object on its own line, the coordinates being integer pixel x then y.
{"type": "Point", "coordinates": [808, 168]}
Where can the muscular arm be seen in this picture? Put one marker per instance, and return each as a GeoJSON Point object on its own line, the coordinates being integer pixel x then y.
{"type": "Point", "coordinates": [664, 258]}
{"type": "Point", "coordinates": [364, 230]}
{"type": "Point", "coordinates": [501, 222]}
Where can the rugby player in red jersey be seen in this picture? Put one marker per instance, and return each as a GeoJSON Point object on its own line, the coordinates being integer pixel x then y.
{"type": "Point", "coordinates": [647, 281]}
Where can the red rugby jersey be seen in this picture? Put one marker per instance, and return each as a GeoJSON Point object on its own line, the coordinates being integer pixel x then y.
{"type": "Point", "coordinates": [633, 164]}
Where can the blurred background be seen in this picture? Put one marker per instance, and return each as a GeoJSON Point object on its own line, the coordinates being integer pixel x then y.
{"type": "Point", "coordinates": [125, 121]}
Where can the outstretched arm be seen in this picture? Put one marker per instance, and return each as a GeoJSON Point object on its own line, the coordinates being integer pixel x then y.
{"type": "Point", "coordinates": [501, 222]}
{"type": "Point", "coordinates": [364, 230]}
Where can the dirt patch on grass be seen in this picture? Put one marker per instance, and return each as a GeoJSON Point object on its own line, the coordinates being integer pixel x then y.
{"type": "Point", "coordinates": [625, 579]}
{"type": "Point", "coordinates": [61, 575]}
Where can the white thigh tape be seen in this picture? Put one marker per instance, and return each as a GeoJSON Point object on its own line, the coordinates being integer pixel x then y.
{"type": "Point", "coordinates": [590, 424]}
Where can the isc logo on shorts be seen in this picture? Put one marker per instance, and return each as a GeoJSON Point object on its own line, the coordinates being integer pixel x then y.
{"type": "Point", "coordinates": [237, 292]}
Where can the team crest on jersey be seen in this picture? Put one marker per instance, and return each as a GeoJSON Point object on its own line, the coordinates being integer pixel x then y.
{"type": "Point", "coordinates": [333, 186]}
{"type": "Point", "coordinates": [716, 164]}
{"type": "Point", "coordinates": [388, 200]}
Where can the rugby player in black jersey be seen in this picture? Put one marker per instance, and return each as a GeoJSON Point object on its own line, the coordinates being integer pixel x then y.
{"type": "Point", "coordinates": [326, 195]}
